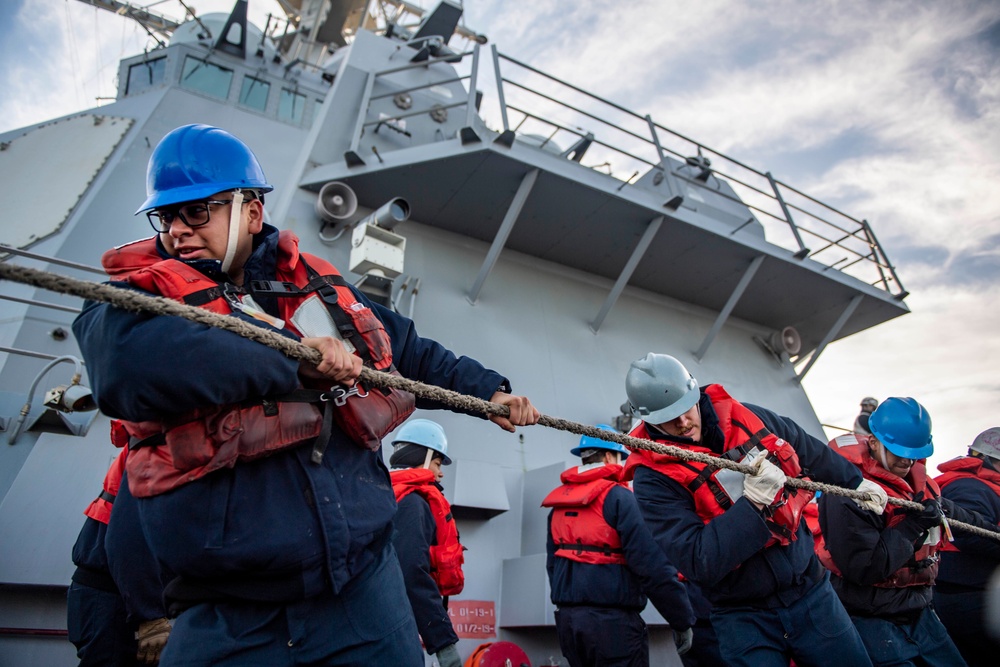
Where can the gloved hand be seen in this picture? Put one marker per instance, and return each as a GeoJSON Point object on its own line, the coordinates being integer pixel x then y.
{"type": "Point", "coordinates": [683, 640]}
{"type": "Point", "coordinates": [929, 517]}
{"type": "Point", "coordinates": [915, 525]}
{"type": "Point", "coordinates": [448, 656]}
{"type": "Point", "coordinates": [877, 497]}
{"type": "Point", "coordinates": [152, 637]}
{"type": "Point", "coordinates": [766, 484]}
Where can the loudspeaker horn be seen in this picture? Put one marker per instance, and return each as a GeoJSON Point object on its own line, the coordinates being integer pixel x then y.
{"type": "Point", "coordinates": [336, 202]}
{"type": "Point", "coordinates": [787, 340]}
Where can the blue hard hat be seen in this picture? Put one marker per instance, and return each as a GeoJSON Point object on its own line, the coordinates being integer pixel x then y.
{"type": "Point", "coordinates": [590, 442]}
{"type": "Point", "coordinates": [193, 162]}
{"type": "Point", "coordinates": [425, 433]}
{"type": "Point", "coordinates": [904, 427]}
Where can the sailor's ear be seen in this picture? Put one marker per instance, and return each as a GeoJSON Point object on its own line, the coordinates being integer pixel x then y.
{"type": "Point", "coordinates": [255, 216]}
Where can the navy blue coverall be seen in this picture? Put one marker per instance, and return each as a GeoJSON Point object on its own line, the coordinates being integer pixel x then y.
{"type": "Point", "coordinates": [599, 604]}
{"type": "Point", "coordinates": [280, 558]}
{"type": "Point", "coordinates": [960, 592]}
{"type": "Point", "coordinates": [96, 617]}
{"type": "Point", "coordinates": [768, 603]}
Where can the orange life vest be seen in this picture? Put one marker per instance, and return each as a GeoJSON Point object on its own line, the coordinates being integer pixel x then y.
{"type": "Point", "coordinates": [216, 437]}
{"type": "Point", "coordinates": [966, 467]}
{"type": "Point", "coordinates": [447, 556]}
{"type": "Point", "coordinates": [744, 431]}
{"type": "Point", "coordinates": [100, 508]}
{"type": "Point", "coordinates": [579, 530]}
{"type": "Point", "coordinates": [922, 569]}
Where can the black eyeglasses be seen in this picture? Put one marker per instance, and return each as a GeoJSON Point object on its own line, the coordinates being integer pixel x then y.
{"type": "Point", "coordinates": [194, 215]}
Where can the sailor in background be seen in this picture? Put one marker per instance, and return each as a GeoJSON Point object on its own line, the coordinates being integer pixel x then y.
{"type": "Point", "coordinates": [739, 537]}
{"type": "Point", "coordinates": [95, 608]}
{"type": "Point", "coordinates": [425, 537]}
{"type": "Point", "coordinates": [259, 479]}
{"type": "Point", "coordinates": [602, 564]}
{"type": "Point", "coordinates": [885, 566]}
{"type": "Point", "coordinates": [868, 405]}
{"type": "Point", "coordinates": [973, 483]}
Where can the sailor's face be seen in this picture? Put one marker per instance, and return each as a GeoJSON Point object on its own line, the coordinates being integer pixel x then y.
{"type": "Point", "coordinates": [210, 240]}
{"type": "Point", "coordinates": [897, 465]}
{"type": "Point", "coordinates": [688, 425]}
{"type": "Point", "coordinates": [435, 467]}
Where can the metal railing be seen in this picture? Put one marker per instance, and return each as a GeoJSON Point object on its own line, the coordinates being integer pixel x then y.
{"type": "Point", "coordinates": [627, 144]}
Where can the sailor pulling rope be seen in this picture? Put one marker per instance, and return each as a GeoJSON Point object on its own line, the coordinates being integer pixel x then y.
{"type": "Point", "coordinates": [137, 302]}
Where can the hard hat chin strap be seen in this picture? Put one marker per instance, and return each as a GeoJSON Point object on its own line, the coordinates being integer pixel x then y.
{"type": "Point", "coordinates": [234, 230]}
{"type": "Point", "coordinates": [428, 458]}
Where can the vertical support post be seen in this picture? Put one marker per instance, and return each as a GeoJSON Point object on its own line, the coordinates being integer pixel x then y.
{"type": "Point", "coordinates": [513, 211]}
{"type": "Point", "coordinates": [506, 137]}
{"type": "Point", "coordinates": [730, 304]}
{"type": "Point", "coordinates": [803, 250]}
{"type": "Point", "coordinates": [878, 253]}
{"type": "Point", "coordinates": [500, 97]}
{"type": "Point", "coordinates": [834, 330]}
{"type": "Point", "coordinates": [351, 156]}
{"type": "Point", "coordinates": [627, 271]}
{"type": "Point", "coordinates": [676, 198]}
{"type": "Point", "coordinates": [467, 134]}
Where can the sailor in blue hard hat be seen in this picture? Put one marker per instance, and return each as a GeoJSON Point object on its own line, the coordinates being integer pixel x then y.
{"type": "Point", "coordinates": [426, 538]}
{"type": "Point", "coordinates": [198, 173]}
{"type": "Point", "coordinates": [884, 568]}
{"type": "Point", "coordinates": [602, 563]}
{"type": "Point", "coordinates": [901, 434]}
{"type": "Point", "coordinates": [262, 495]}
{"type": "Point", "coordinates": [591, 445]}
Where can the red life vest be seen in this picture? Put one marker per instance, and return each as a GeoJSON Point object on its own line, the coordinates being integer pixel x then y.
{"type": "Point", "coordinates": [922, 569]}
{"type": "Point", "coordinates": [217, 437]}
{"type": "Point", "coordinates": [100, 508]}
{"type": "Point", "coordinates": [447, 556]}
{"type": "Point", "coordinates": [966, 467]}
{"type": "Point", "coordinates": [579, 530]}
{"type": "Point", "coordinates": [743, 431]}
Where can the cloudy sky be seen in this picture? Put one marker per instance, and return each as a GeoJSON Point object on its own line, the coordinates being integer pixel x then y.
{"type": "Point", "coordinates": [887, 109]}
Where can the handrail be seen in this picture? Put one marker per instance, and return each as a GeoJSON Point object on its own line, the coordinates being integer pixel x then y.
{"type": "Point", "coordinates": [814, 219]}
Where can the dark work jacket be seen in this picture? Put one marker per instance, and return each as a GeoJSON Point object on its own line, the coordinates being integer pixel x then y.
{"type": "Point", "coordinates": [91, 559]}
{"type": "Point", "coordinates": [414, 534]}
{"type": "Point", "coordinates": [279, 528]}
{"type": "Point", "coordinates": [647, 571]}
{"type": "Point", "coordinates": [726, 557]}
{"type": "Point", "coordinates": [978, 557]}
{"type": "Point", "coordinates": [130, 561]}
{"type": "Point", "coordinates": [867, 551]}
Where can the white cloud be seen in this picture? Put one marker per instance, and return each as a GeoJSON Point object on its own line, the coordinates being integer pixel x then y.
{"type": "Point", "coordinates": [900, 101]}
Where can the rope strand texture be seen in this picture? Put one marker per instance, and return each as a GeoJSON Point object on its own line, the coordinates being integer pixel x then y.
{"type": "Point", "coordinates": [138, 302]}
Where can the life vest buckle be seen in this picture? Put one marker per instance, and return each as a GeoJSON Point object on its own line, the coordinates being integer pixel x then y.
{"type": "Point", "coordinates": [340, 394]}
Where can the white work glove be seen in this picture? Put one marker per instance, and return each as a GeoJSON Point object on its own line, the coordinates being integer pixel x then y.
{"type": "Point", "coordinates": [683, 640]}
{"type": "Point", "coordinates": [152, 637]}
{"type": "Point", "coordinates": [877, 497]}
{"type": "Point", "coordinates": [766, 484]}
{"type": "Point", "coordinates": [448, 656]}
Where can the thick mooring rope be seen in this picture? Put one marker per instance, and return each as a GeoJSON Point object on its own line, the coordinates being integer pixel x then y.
{"type": "Point", "coordinates": [138, 302]}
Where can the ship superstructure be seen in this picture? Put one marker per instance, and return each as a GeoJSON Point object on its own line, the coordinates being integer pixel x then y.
{"type": "Point", "coordinates": [549, 232]}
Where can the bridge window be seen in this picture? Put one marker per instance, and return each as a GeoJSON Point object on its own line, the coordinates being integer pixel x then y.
{"type": "Point", "coordinates": [145, 75]}
{"type": "Point", "coordinates": [291, 106]}
{"type": "Point", "coordinates": [254, 93]}
{"type": "Point", "coordinates": [206, 77]}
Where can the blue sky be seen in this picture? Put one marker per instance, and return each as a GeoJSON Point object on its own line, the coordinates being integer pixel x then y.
{"type": "Point", "coordinates": [889, 110]}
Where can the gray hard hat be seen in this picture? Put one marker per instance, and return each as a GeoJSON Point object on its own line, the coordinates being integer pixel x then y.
{"type": "Point", "coordinates": [869, 402]}
{"type": "Point", "coordinates": [987, 443]}
{"type": "Point", "coordinates": [660, 388]}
